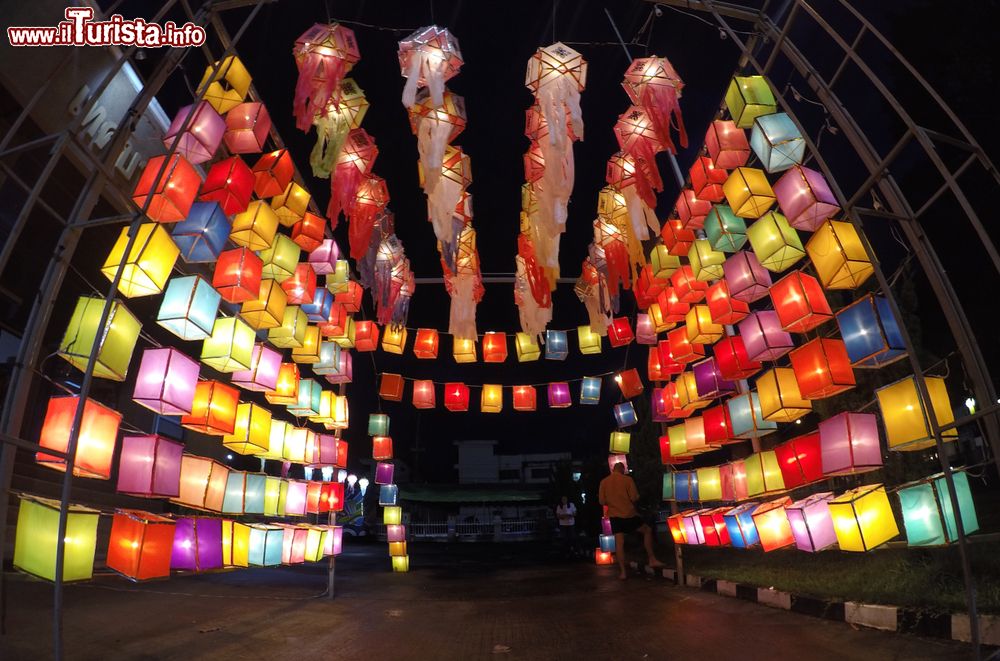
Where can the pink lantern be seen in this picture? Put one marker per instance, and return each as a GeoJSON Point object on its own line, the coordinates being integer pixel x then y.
{"type": "Point", "coordinates": [692, 210]}
{"type": "Point", "coordinates": [323, 260]}
{"type": "Point", "coordinates": [293, 545]}
{"type": "Point", "coordinates": [395, 533]}
{"type": "Point", "coordinates": [202, 136]}
{"type": "Point", "coordinates": [748, 281]}
{"type": "Point", "coordinates": [150, 467]}
{"type": "Point", "coordinates": [323, 54]}
{"type": "Point", "coordinates": [617, 459]}
{"type": "Point", "coordinates": [321, 450]}
{"type": "Point", "coordinates": [383, 473]}
{"type": "Point", "coordinates": [296, 497]}
{"type": "Point", "coordinates": [805, 198]}
{"type": "Point", "coordinates": [263, 373]}
{"type": "Point", "coordinates": [247, 128]}
{"type": "Point", "coordinates": [645, 331]}
{"type": "Point", "coordinates": [166, 381]}
{"type": "Point", "coordinates": [727, 144]}
{"type": "Point", "coordinates": [849, 443]}
{"type": "Point", "coordinates": [559, 395]}
{"type": "Point", "coordinates": [763, 337]}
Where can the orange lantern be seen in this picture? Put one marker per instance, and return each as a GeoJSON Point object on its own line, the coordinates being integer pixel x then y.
{"type": "Point", "coordinates": [214, 409]}
{"type": "Point", "coordinates": [800, 303]}
{"type": "Point", "coordinates": [620, 332]}
{"type": "Point", "coordinates": [174, 193]}
{"type": "Point", "coordinates": [676, 237]}
{"type": "Point", "coordinates": [525, 398]}
{"type": "Point", "coordinates": [287, 390]}
{"type": "Point", "coordinates": [671, 308]}
{"type": "Point", "coordinates": [654, 371]}
{"type": "Point", "coordinates": [426, 344]}
{"type": "Point", "coordinates": [391, 387]}
{"type": "Point", "coordinates": [351, 296]}
{"type": "Point", "coordinates": [424, 394]}
{"type": "Point", "coordinates": [365, 335]}
{"type": "Point", "coordinates": [494, 347]}
{"type": "Point", "coordinates": [772, 524]}
{"type": "Point", "coordinates": [456, 397]}
{"type": "Point", "coordinates": [203, 483]}
{"type": "Point", "coordinates": [722, 307]}
{"type": "Point", "coordinates": [731, 359]}
{"type": "Point", "coordinates": [822, 368]}
{"type": "Point", "coordinates": [700, 328]}
{"type": "Point", "coordinates": [687, 287]}
{"type": "Point", "coordinates": [630, 383]}
{"type": "Point", "coordinates": [381, 448]}
{"type": "Point", "coordinates": [691, 210]}
{"type": "Point", "coordinates": [95, 446]}
{"type": "Point", "coordinates": [309, 232]}
{"type": "Point", "coordinates": [727, 144]}
{"type": "Point", "coordinates": [237, 275]}
{"type": "Point", "coordinates": [301, 287]}
{"type": "Point", "coordinates": [141, 544]}
{"type": "Point", "coordinates": [230, 183]}
{"type": "Point", "coordinates": [272, 173]}
{"type": "Point", "coordinates": [681, 349]}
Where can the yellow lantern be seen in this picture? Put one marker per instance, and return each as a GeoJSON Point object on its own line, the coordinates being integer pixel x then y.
{"type": "Point", "coordinates": [279, 261]}
{"type": "Point", "coordinates": [346, 339]}
{"type": "Point", "coordinates": [397, 549]}
{"type": "Point", "coordinates": [228, 86]}
{"type": "Point", "coordinates": [775, 243]}
{"type": "Point", "coordinates": [863, 518]}
{"type": "Point", "coordinates": [749, 97]}
{"type": "Point", "coordinates": [292, 331]}
{"type": "Point", "coordinates": [337, 282]}
{"type": "Point", "coordinates": [660, 323]}
{"type": "Point", "coordinates": [664, 264]}
{"type": "Point", "coordinates": [267, 311]}
{"type": "Point", "coordinates": [291, 205]}
{"type": "Point", "coordinates": [230, 347]}
{"type": "Point", "coordinates": [700, 327]}
{"type": "Point", "coordinates": [463, 350]}
{"type": "Point", "coordinates": [492, 398]}
{"type": "Point", "coordinates": [287, 389]}
{"type": "Point", "coordinates": [148, 264]}
{"type": "Point", "coordinates": [117, 338]}
{"type": "Point", "coordinates": [37, 537]}
{"type": "Point", "coordinates": [706, 263]}
{"type": "Point", "coordinates": [401, 563]}
{"type": "Point", "coordinates": [272, 495]}
{"type": "Point", "coordinates": [252, 432]}
{"type": "Point", "coordinates": [590, 342]}
{"type": "Point", "coordinates": [256, 227]}
{"type": "Point", "coordinates": [394, 339]}
{"type": "Point", "coordinates": [906, 416]}
{"type": "Point", "coordinates": [235, 544]}
{"type": "Point", "coordinates": [838, 254]}
{"type": "Point", "coordinates": [527, 347]}
{"type": "Point", "coordinates": [315, 543]}
{"type": "Point", "coordinates": [309, 351]}
{"type": "Point", "coordinates": [619, 442]}
{"type": "Point", "coordinates": [296, 439]}
{"type": "Point", "coordinates": [748, 192]}
{"type": "Point", "coordinates": [275, 440]}
{"type": "Point", "coordinates": [392, 515]}
{"type": "Point", "coordinates": [780, 400]}
{"type": "Point", "coordinates": [709, 483]}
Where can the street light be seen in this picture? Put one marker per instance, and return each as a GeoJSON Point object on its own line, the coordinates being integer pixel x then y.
{"type": "Point", "coordinates": [970, 404]}
{"type": "Point", "coordinates": [327, 473]}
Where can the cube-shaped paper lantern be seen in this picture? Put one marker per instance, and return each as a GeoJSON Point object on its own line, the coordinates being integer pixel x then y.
{"type": "Point", "coordinates": [748, 192]}
{"type": "Point", "coordinates": [166, 381]}
{"type": "Point", "coordinates": [556, 345]}
{"type": "Point", "coordinates": [330, 354]}
{"type": "Point", "coordinates": [763, 475]}
{"type": "Point", "coordinates": [324, 258]}
{"type": "Point", "coordinates": [625, 415]}
{"type": "Point", "coordinates": [391, 387]}
{"type": "Point", "coordinates": [590, 390]}
{"type": "Point", "coordinates": [772, 525]}
{"type": "Point", "coordinates": [255, 227]}
{"type": "Point", "coordinates": [734, 480]}
{"type": "Point", "coordinates": [763, 338]}
{"type": "Point", "coordinates": [279, 261]}
{"type": "Point", "coordinates": [727, 144]}
{"type": "Point", "coordinates": [300, 287]}
{"type": "Point", "coordinates": [725, 230]}
{"type": "Point", "coordinates": [247, 128]}
{"type": "Point", "coordinates": [527, 347]}
{"type": "Point", "coordinates": [805, 198]}
{"type": "Point", "coordinates": [675, 523]}
{"type": "Point", "coordinates": [202, 235]}
{"type": "Point", "coordinates": [291, 204]}
{"type": "Point", "coordinates": [226, 83]}
{"type": "Point", "coordinates": [197, 544]}
{"type": "Point", "coordinates": [718, 427]}
{"type": "Point", "coordinates": [203, 483]}
{"type": "Point", "coordinates": [928, 515]}
{"type": "Point", "coordinates": [272, 489]}
{"type": "Point", "coordinates": [849, 443]}
{"type": "Point", "coordinates": [713, 525]}
{"type": "Point", "coordinates": [630, 383]}
{"type": "Point", "coordinates": [654, 371]}
{"type": "Point", "coordinates": [685, 287]}
{"type": "Point", "coordinates": [673, 446]}
{"type": "Point", "coordinates": [392, 516]}
{"type": "Point", "coordinates": [308, 399]}
{"type": "Point", "coordinates": [388, 494]}
{"type": "Point", "coordinates": [680, 348]}
{"type": "Point", "coordinates": [252, 431]}
{"type": "Point", "coordinates": [232, 501]}
{"type": "Point", "coordinates": [491, 398]}
{"type": "Point", "coordinates": [351, 295]}
{"type": "Point", "coordinates": [401, 563]}
{"type": "Point", "coordinates": [709, 384]}
{"type": "Point", "coordinates": [620, 332]}
{"type": "Point", "coordinates": [775, 243]}
{"type": "Point", "coordinates": [746, 417]}
{"type": "Point", "coordinates": [263, 373]}
{"type": "Point", "coordinates": [709, 483]}
{"type": "Point", "coordinates": [723, 308]}
{"type": "Point", "coordinates": [293, 546]}
{"type": "Point", "coordinates": [424, 395]}
{"type": "Point", "coordinates": [462, 350]}
{"type": "Point", "coordinates": [294, 497]}
{"type": "Point", "coordinates": [822, 368]}
{"type": "Point", "coordinates": [694, 533]}
{"type": "Point", "coordinates": [309, 352]}
{"type": "Point", "coordinates": [426, 343]}
{"type": "Point", "coordinates": [95, 446]}
{"type": "Point", "coordinates": [663, 262]}
{"type": "Point", "coordinates": [230, 183]}
{"type": "Point", "coordinates": [291, 334]}
{"type": "Point", "coordinates": [838, 254]}
{"type": "Point", "coordinates": [800, 303]}
{"type": "Point", "coordinates": [395, 533]}
{"type": "Point", "coordinates": [366, 335]}
{"type": "Point", "coordinates": [265, 545]}
{"type": "Point", "coordinates": [747, 98]}
{"type": "Point", "coordinates": [800, 460]}
{"type": "Point", "coordinates": [732, 361]}
{"type": "Point", "coordinates": [691, 210]}
{"type": "Point", "coordinates": [494, 347]}
{"type": "Point", "coordinates": [308, 233]}
{"type": "Point", "coordinates": [286, 390]}
{"type": "Point", "coordinates": [394, 339]}
{"type": "Point", "coordinates": [811, 524]}
{"type": "Point", "coordinates": [267, 310]}
{"type": "Point", "coordinates": [141, 544]}
{"type": "Point", "coordinates": [272, 173]}
{"type": "Point", "coordinates": [706, 263]}
{"type": "Point", "coordinates": [378, 424]}
{"type": "Point", "coordinates": [906, 415]}
{"type": "Point", "coordinates": [607, 543]}
{"type": "Point", "coordinates": [645, 330]}
{"type": "Point", "coordinates": [525, 398]}
{"type": "Point", "coordinates": [777, 142]}
{"type": "Point", "coordinates": [254, 493]}
{"type": "Point", "coordinates": [780, 399]}
{"type": "Point", "coordinates": [214, 409]}
{"type": "Point", "coordinates": [559, 397]}
{"type": "Point", "coordinates": [237, 275]}
{"type": "Point", "coordinates": [740, 526]}
{"type": "Point", "coordinates": [383, 472]}
{"type": "Point", "coordinates": [870, 332]}
{"type": "Point", "coordinates": [590, 342]}
{"type": "Point", "coordinates": [456, 397]}
{"type": "Point", "coordinates": [116, 338]}
{"type": "Point", "coordinates": [197, 131]}
{"type": "Point", "coordinates": [707, 179]}
{"type": "Point", "coordinates": [863, 518]}
{"type": "Point", "coordinates": [149, 466]}
{"type": "Point", "coordinates": [230, 347]}
{"type": "Point", "coordinates": [169, 193]}
{"type": "Point", "coordinates": [189, 308]}
{"type": "Point", "coordinates": [700, 327]}
{"type": "Point", "coordinates": [37, 537]}
{"type": "Point", "coordinates": [746, 279]}
{"type": "Point", "coordinates": [235, 544]}
{"type": "Point", "coordinates": [686, 486]}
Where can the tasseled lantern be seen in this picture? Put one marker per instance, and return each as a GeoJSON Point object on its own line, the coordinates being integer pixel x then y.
{"type": "Point", "coordinates": [323, 54]}
{"type": "Point", "coordinates": [906, 416]}
{"type": "Point", "coordinates": [428, 58]}
{"type": "Point", "coordinates": [763, 337]}
{"type": "Point", "coordinates": [226, 84]}
{"type": "Point", "coordinates": [341, 115]}
{"type": "Point", "coordinates": [230, 347]}
{"type": "Point", "coordinates": [774, 242]}
{"type": "Point", "coordinates": [724, 308]}
{"type": "Point", "coordinates": [727, 144]}
{"type": "Point", "coordinates": [424, 395]}
{"type": "Point", "coordinates": [747, 98]}
{"type": "Point", "coordinates": [525, 398]}
{"type": "Point", "coordinates": [166, 381]}
{"type": "Point", "coordinates": [456, 397]}
{"type": "Point", "coordinates": [426, 343]}
{"type": "Point", "coordinates": [175, 190]}
{"type": "Point", "coordinates": [838, 254]}
{"type": "Point", "coordinates": [353, 163]}
{"type": "Point", "coordinates": [780, 400]}
{"type": "Point", "coordinates": [202, 135]}
{"type": "Point", "coordinates": [732, 361]}
{"type": "Point", "coordinates": [748, 192]}
{"type": "Point", "coordinates": [214, 410]}
{"type": "Point", "coordinates": [559, 397]}
{"type": "Point", "coordinates": [371, 199]}
{"type": "Point", "coordinates": [148, 264]}
{"type": "Point", "coordinates": [800, 303]}
{"type": "Point", "coordinates": [116, 339]}
{"type": "Point", "coordinates": [247, 128]}
{"type": "Point", "coordinates": [653, 83]}
{"type": "Point", "coordinates": [799, 460]}
{"type": "Point", "coordinates": [189, 307]}
{"type": "Point", "coordinates": [822, 368]}
{"type": "Point", "coordinates": [230, 183]}
{"type": "Point", "coordinates": [202, 235]}
{"type": "Point", "coordinates": [805, 198]}
{"type": "Point", "coordinates": [436, 123]}
{"type": "Point", "coordinates": [237, 275]}
{"type": "Point", "coordinates": [272, 173]}
{"type": "Point", "coordinates": [777, 142]}
{"type": "Point", "coordinates": [870, 332]}
{"type": "Point", "coordinates": [491, 398]}
{"type": "Point", "coordinates": [98, 435]}
{"type": "Point", "coordinates": [746, 416]}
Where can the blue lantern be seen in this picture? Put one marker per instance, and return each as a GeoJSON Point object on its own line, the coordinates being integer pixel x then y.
{"type": "Point", "coordinates": [777, 142]}
{"type": "Point", "coordinates": [740, 526]}
{"type": "Point", "coordinates": [607, 543]}
{"type": "Point", "coordinates": [556, 345]}
{"type": "Point", "coordinates": [378, 424]}
{"type": "Point", "coordinates": [329, 358]}
{"type": "Point", "coordinates": [265, 545]}
{"type": "Point", "coordinates": [685, 486]}
{"type": "Point", "coordinates": [319, 310]}
{"type": "Point", "coordinates": [746, 418]}
{"type": "Point", "coordinates": [625, 415]}
{"type": "Point", "coordinates": [870, 332]}
{"type": "Point", "coordinates": [203, 234]}
{"type": "Point", "coordinates": [388, 494]}
{"type": "Point", "coordinates": [590, 390]}
{"type": "Point", "coordinates": [189, 307]}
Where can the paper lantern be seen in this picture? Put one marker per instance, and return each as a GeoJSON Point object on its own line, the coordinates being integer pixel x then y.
{"type": "Point", "coordinates": [620, 332]}
{"type": "Point", "coordinates": [456, 397]}
{"type": "Point", "coordinates": [426, 343]}
{"type": "Point", "coordinates": [293, 544]}
{"type": "Point", "coordinates": [727, 144]}
{"type": "Point", "coordinates": [707, 179]}
{"type": "Point", "coordinates": [247, 128]}
{"type": "Point", "coordinates": [780, 399]}
{"type": "Point", "coordinates": [590, 342]}
{"type": "Point", "coordinates": [149, 466]}
{"type": "Point", "coordinates": [98, 434]}
{"type": "Point", "coordinates": [724, 309]}
{"type": "Point", "coordinates": [905, 414]}
{"type": "Point", "coordinates": [264, 545]}
{"type": "Point", "coordinates": [709, 384]}
{"type": "Point", "coordinates": [849, 443]}
{"type": "Point", "coordinates": [272, 173]}
{"type": "Point", "coordinates": [140, 545]}
{"type": "Point", "coordinates": [870, 332]}
{"type": "Point", "coordinates": [392, 516]}
{"type": "Point", "coordinates": [383, 473]}
{"type": "Point", "coordinates": [286, 389]}
{"type": "Point", "coordinates": [394, 339]}
{"type": "Point", "coordinates": [630, 383]}
{"type": "Point", "coordinates": [198, 140]}
{"type": "Point", "coordinates": [117, 338]}
{"type": "Point", "coordinates": [691, 210]}
{"type": "Point", "coordinates": [740, 526]}
{"type": "Point", "coordinates": [525, 398]}
{"type": "Point", "coordinates": [197, 544]}
{"type": "Point", "coordinates": [675, 524]}
{"type": "Point", "coordinates": [822, 368]}
{"type": "Point", "coordinates": [676, 237]}
{"type": "Point", "coordinates": [391, 387]}
{"type": "Point", "coordinates": [278, 262]}
{"type": "Point", "coordinates": [663, 262]}
{"type": "Point", "coordinates": [559, 397]}
{"type": "Point", "coordinates": [805, 198]}
{"type": "Point", "coordinates": [800, 303]}
{"type": "Point", "coordinates": [773, 528]}
{"type": "Point", "coordinates": [686, 287]}
{"type": "Point", "coordinates": [463, 350]}
{"type": "Point", "coordinates": [706, 263]}
{"type": "Point", "coordinates": [325, 257]}
{"type": "Point", "coordinates": [747, 98]}
{"type": "Point", "coordinates": [811, 524]}
{"type": "Point", "coordinates": [424, 396]}
{"type": "Point", "coordinates": [230, 183]}
{"type": "Point", "coordinates": [291, 334]}
{"type": "Point", "coordinates": [301, 286]}
{"type": "Point", "coordinates": [378, 424]}
{"type": "Point", "coordinates": [694, 533]}
{"type": "Point", "coordinates": [734, 480]}
{"type": "Point", "coordinates": [800, 460]}
{"type": "Point", "coordinates": [838, 254]}
{"type": "Point", "coordinates": [293, 497]}
{"type": "Point", "coordinates": [928, 515]}
{"type": "Point", "coordinates": [763, 338]}
{"type": "Point", "coordinates": [654, 371]}
{"type": "Point", "coordinates": [863, 518]}
{"type": "Point", "coordinates": [166, 381]}
{"type": "Point", "coordinates": [395, 532]}
{"type": "Point", "coordinates": [309, 352]}
{"type": "Point", "coordinates": [320, 309]}
{"type": "Point", "coordinates": [401, 563]}
{"type": "Point", "coordinates": [252, 430]}
{"type": "Point", "coordinates": [694, 435]}
{"type": "Point", "coordinates": [625, 415]}
{"type": "Point", "coordinates": [321, 450]}
{"type": "Point", "coordinates": [202, 235]}
{"type": "Point", "coordinates": [527, 347]}
{"type": "Point", "coordinates": [725, 230]}
{"type": "Point", "coordinates": [262, 376]}
{"type": "Point", "coordinates": [294, 443]}
{"type": "Point", "coordinates": [775, 243]}
{"type": "Point", "coordinates": [255, 227]}
{"type": "Point", "coordinates": [237, 275]}
{"type": "Point", "coordinates": [37, 538]}
{"type": "Point", "coordinates": [777, 142]}
{"type": "Point", "coordinates": [746, 279]}
{"type": "Point", "coordinates": [381, 447]}
{"type": "Point", "coordinates": [494, 347]}
{"type": "Point", "coordinates": [614, 459]}
{"type": "Point", "coordinates": [174, 191]}
{"type": "Point", "coordinates": [603, 557]}
{"type": "Point", "coordinates": [686, 393]}
{"type": "Point", "coordinates": [606, 542]}
{"type": "Point", "coordinates": [291, 204]}
{"type": "Point", "coordinates": [226, 84]}
{"type": "Point", "coordinates": [709, 483]}
{"type": "Point", "coordinates": [272, 485]}
{"type": "Point", "coordinates": [748, 192]}
{"type": "Point", "coordinates": [556, 345]}
{"type": "Point", "coordinates": [254, 493]}
{"type": "Point", "coordinates": [700, 327]}
{"type": "Point", "coordinates": [189, 308]}
{"type": "Point", "coordinates": [718, 428]}
{"type": "Point", "coordinates": [680, 347]}
{"type": "Point", "coordinates": [713, 525]}
{"type": "Point", "coordinates": [746, 417]}
{"type": "Point", "coordinates": [673, 446]}
{"type": "Point", "coordinates": [235, 544]}
{"type": "Point", "coordinates": [366, 335]}
{"type": "Point", "coordinates": [315, 543]}
{"type": "Point", "coordinates": [590, 390]}
{"type": "Point", "coordinates": [350, 296]}
{"type": "Point", "coordinates": [203, 483]}
{"type": "Point", "coordinates": [491, 398]}
{"type": "Point", "coordinates": [233, 500]}
{"type": "Point", "coordinates": [214, 409]}
{"type": "Point", "coordinates": [267, 310]}
{"type": "Point", "coordinates": [732, 361]}
{"type": "Point", "coordinates": [230, 346]}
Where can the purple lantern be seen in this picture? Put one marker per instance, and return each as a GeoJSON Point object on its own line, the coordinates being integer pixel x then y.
{"type": "Point", "coordinates": [395, 533]}
{"type": "Point", "coordinates": [166, 381]}
{"type": "Point", "coordinates": [263, 373]}
{"type": "Point", "coordinates": [849, 443]}
{"type": "Point", "coordinates": [559, 395]}
{"type": "Point", "coordinates": [337, 540]}
{"type": "Point", "coordinates": [606, 526]}
{"type": "Point", "coordinates": [747, 280]}
{"type": "Point", "coordinates": [805, 198]}
{"type": "Point", "coordinates": [812, 526]}
{"type": "Point", "coordinates": [383, 473]}
{"type": "Point", "coordinates": [202, 136]}
{"type": "Point", "coordinates": [197, 544]}
{"type": "Point", "coordinates": [708, 382]}
{"type": "Point", "coordinates": [323, 260]}
{"type": "Point", "coordinates": [645, 331]}
{"type": "Point", "coordinates": [763, 337]}
{"type": "Point", "coordinates": [150, 467]}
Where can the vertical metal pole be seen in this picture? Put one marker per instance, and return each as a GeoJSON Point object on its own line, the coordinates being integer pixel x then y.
{"type": "Point", "coordinates": [332, 567]}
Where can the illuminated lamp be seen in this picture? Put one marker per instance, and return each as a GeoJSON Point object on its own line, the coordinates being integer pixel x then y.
{"type": "Point", "coordinates": [263, 373]}
{"type": "Point", "coordinates": [174, 193]}
{"type": "Point", "coordinates": [203, 483]}
{"type": "Point", "coordinates": [272, 490]}
{"type": "Point", "coordinates": [293, 498]}
{"type": "Point", "coordinates": [214, 409]}
{"type": "Point", "coordinates": [590, 390]}
{"type": "Point", "coordinates": [777, 142]}
{"type": "Point", "coordinates": [199, 140]}
{"type": "Point", "coordinates": [319, 309]}
{"type": "Point", "coordinates": [686, 286]}
{"type": "Point", "coordinates": [265, 545]}
{"type": "Point", "coordinates": [603, 557]}
{"type": "Point", "coordinates": [381, 448]}
{"type": "Point", "coordinates": [426, 344]}
{"type": "Point", "coordinates": [673, 446]}
{"type": "Point", "coordinates": [232, 500]}
{"type": "Point", "coordinates": [230, 183]}
{"type": "Point", "coordinates": [392, 515]}
{"type": "Point", "coordinates": [463, 350]}
{"type": "Point", "coordinates": [309, 351]}
{"type": "Point", "coordinates": [805, 198]}
{"type": "Point", "coordinates": [746, 418]}
{"type": "Point", "coordinates": [391, 387]}
{"type": "Point", "coordinates": [800, 303]}
{"type": "Point", "coordinates": [401, 563]}
{"type": "Point", "coordinates": [653, 371]}
{"type": "Point", "coordinates": [291, 204]}
{"type": "Point", "coordinates": [424, 396]}
{"type": "Point", "coordinates": [378, 424]}
{"type": "Point", "coordinates": [774, 242]}
{"type": "Point", "coordinates": [707, 179]}
{"type": "Point", "coordinates": [629, 382]}
{"type": "Point", "coordinates": [292, 331]}
{"type": "Point", "coordinates": [838, 254]}
{"type": "Point", "coordinates": [780, 399]}
{"type": "Point", "coordinates": [863, 518]}
{"type": "Point", "coordinates": [321, 450]}
{"type": "Point", "coordinates": [870, 332]}
{"type": "Point", "coordinates": [763, 337]}
{"type": "Point", "coordinates": [397, 550]}
{"type": "Point", "coordinates": [733, 479]}
{"type": "Point", "coordinates": [713, 524]}
{"type": "Point", "coordinates": [286, 391]}
{"type": "Point", "coordinates": [617, 459]}
{"type": "Point", "coordinates": [800, 460]}
{"type": "Point", "coordinates": [251, 434]}
{"type": "Point", "coordinates": [293, 544]}
{"type": "Point", "coordinates": [691, 210]}
{"type": "Point", "coordinates": [709, 483]}
{"type": "Point", "coordinates": [849, 444]}
{"type": "Point", "coordinates": [324, 257]}
{"type": "Point", "coordinates": [308, 399]}
{"type": "Point", "coordinates": [620, 332]}
{"type": "Point", "coordinates": [559, 397]}
{"type": "Point", "coordinates": [667, 489]}
{"type": "Point", "coordinates": [905, 414]}
{"type": "Point", "coordinates": [718, 428]}
{"type": "Point", "coordinates": [491, 398]}
{"type": "Point", "coordinates": [98, 435]}
{"type": "Point", "coordinates": [226, 84]}
{"type": "Point", "coordinates": [337, 281]}
{"type": "Point", "coordinates": [247, 128]}
{"type": "Point", "coordinates": [676, 238]}
{"type": "Point", "coordinates": [811, 524]}
{"type": "Point", "coordinates": [705, 263]}
{"type": "Point", "coordinates": [663, 263]}
{"type": "Point", "coordinates": [37, 538]}
{"type": "Point", "coordinates": [301, 286]}
{"type": "Point", "coordinates": [666, 404]}
{"type": "Point", "coordinates": [645, 332]}
{"type": "Point", "coordinates": [700, 328]}
{"type": "Point", "coordinates": [693, 532]}
{"type": "Point", "coordinates": [278, 262]}
{"type": "Point", "coordinates": [308, 233]}
{"type": "Point", "coordinates": [928, 514]}
{"type": "Point", "coordinates": [590, 342]}
{"type": "Point", "coordinates": [525, 398]}
{"type": "Point", "coordinates": [668, 310]}
{"type": "Point", "coordinates": [680, 348]}
{"type": "Point", "coordinates": [747, 98]}
{"type": "Point", "coordinates": [237, 275]}
{"type": "Point", "coordinates": [272, 173]}
{"type": "Point", "coordinates": [746, 279]}
{"type": "Point", "coordinates": [140, 544]}
{"type": "Point", "coordinates": [345, 338]}
{"type": "Point", "coordinates": [723, 308]}
{"type": "Point", "coordinates": [148, 264]}
{"type": "Point", "coordinates": [333, 497]}
{"type": "Point", "coordinates": [694, 435]}
{"type": "Point", "coordinates": [341, 453]}
{"type": "Point", "coordinates": [675, 523]}
{"type": "Point", "coordinates": [709, 384]}
{"type": "Point", "coordinates": [202, 235]}
{"type": "Point", "coordinates": [149, 466]}
{"type": "Point", "coordinates": [625, 415]}
{"type": "Point", "coordinates": [235, 544]}
{"type": "Point", "coordinates": [494, 347]}
{"type": "Point", "coordinates": [230, 346]}
{"type": "Point", "coordinates": [267, 310]}
{"type": "Point", "coordinates": [748, 192]}
{"type": "Point", "coordinates": [732, 361]}
{"type": "Point", "coordinates": [365, 335]}
{"type": "Point", "coordinates": [394, 339]}
{"type": "Point", "coordinates": [822, 368]}
{"type": "Point", "coordinates": [456, 397]}
{"type": "Point", "coordinates": [350, 296]}
{"type": "Point", "coordinates": [727, 144]}
{"type": "Point", "coordinates": [556, 345]}
{"type": "Point", "coordinates": [725, 230]}
{"type": "Point", "coordinates": [686, 486]}
{"type": "Point", "coordinates": [315, 503]}
{"type": "Point", "coordinates": [687, 392]}
{"type": "Point", "coordinates": [527, 347]}
{"type": "Point", "coordinates": [773, 528]}
{"type": "Point", "coordinates": [166, 381]}
{"type": "Point", "coordinates": [740, 526]}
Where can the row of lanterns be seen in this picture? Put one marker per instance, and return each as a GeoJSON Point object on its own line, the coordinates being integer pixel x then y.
{"type": "Point", "coordinates": [388, 494]}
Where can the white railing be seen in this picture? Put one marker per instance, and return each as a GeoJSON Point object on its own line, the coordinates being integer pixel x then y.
{"type": "Point", "coordinates": [477, 529]}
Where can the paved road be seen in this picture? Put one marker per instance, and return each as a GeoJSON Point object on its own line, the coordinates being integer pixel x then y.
{"type": "Point", "coordinates": [493, 602]}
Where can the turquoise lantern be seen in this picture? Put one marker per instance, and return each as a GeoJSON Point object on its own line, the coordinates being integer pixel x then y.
{"type": "Point", "coordinates": [378, 424]}
{"type": "Point", "coordinates": [777, 142]}
{"type": "Point", "coordinates": [625, 415]}
{"type": "Point", "coordinates": [556, 345]}
{"type": "Point", "coordinates": [189, 307]}
{"type": "Point", "coordinates": [265, 545]}
{"type": "Point", "coordinates": [928, 516]}
{"type": "Point", "coordinates": [203, 234]}
{"type": "Point", "coordinates": [746, 418]}
{"type": "Point", "coordinates": [309, 399]}
{"type": "Point", "coordinates": [590, 390]}
{"type": "Point", "coordinates": [668, 486]}
{"type": "Point", "coordinates": [253, 494]}
{"type": "Point", "coordinates": [726, 231]}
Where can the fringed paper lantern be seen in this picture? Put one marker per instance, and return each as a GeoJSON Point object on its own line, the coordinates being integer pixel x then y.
{"type": "Point", "coordinates": [822, 368]}
{"type": "Point", "coordinates": [116, 339]}
{"type": "Point", "coordinates": [800, 460]}
{"type": "Point", "coordinates": [435, 125]}
{"type": "Point", "coordinates": [140, 545]}
{"type": "Point", "coordinates": [202, 235]}
{"type": "Point", "coordinates": [725, 230]}
{"type": "Point", "coordinates": [426, 344]}
{"type": "Point", "coordinates": [36, 539]}
{"type": "Point", "coordinates": [559, 397]}
{"type": "Point", "coordinates": [805, 198]}
{"type": "Point", "coordinates": [391, 387]}
{"type": "Point", "coordinates": [291, 204]}
{"type": "Point", "coordinates": [748, 192]}
{"type": "Point", "coordinates": [906, 415]}
{"type": "Point", "coordinates": [424, 395]}
{"type": "Point", "coordinates": [247, 128]}
{"type": "Point", "coordinates": [149, 467]}
{"type": "Point", "coordinates": [263, 373]}
{"type": "Point", "coordinates": [203, 483]}
{"type": "Point", "coordinates": [625, 415]}
{"type": "Point", "coordinates": [197, 130]}
{"type": "Point", "coordinates": [746, 417]}
{"type": "Point", "coordinates": [525, 398]}
{"type": "Point", "coordinates": [272, 173]}
{"type": "Point", "coordinates": [777, 142]}
{"type": "Point", "coordinates": [226, 84]}
{"type": "Point", "coordinates": [723, 308]}
{"type": "Point", "coordinates": [838, 254]}
{"type": "Point", "coordinates": [237, 275]}
{"type": "Point", "coordinates": [707, 179]}
{"type": "Point", "coordinates": [590, 390]}
{"type": "Point", "coordinates": [747, 98]}
{"type": "Point", "coordinates": [323, 54]}
{"type": "Point", "coordinates": [775, 243]}
{"type": "Point", "coordinates": [763, 338]}
{"type": "Point", "coordinates": [629, 382]}
{"type": "Point", "coordinates": [174, 191]}
{"type": "Point", "coordinates": [286, 391]}
{"type": "Point", "coordinates": [870, 332]}
{"type": "Point", "coordinates": [681, 348]}
{"type": "Point", "coordinates": [267, 310]}
{"type": "Point", "coordinates": [166, 381]}
{"type": "Point", "coordinates": [800, 303]}
{"type": "Point", "coordinates": [727, 144]}
{"type": "Point", "coordinates": [740, 526]}
{"type": "Point", "coordinates": [590, 342]}
{"type": "Point", "coordinates": [148, 263]}
{"type": "Point", "coordinates": [189, 307]}
{"type": "Point", "coordinates": [773, 528]}
{"type": "Point", "coordinates": [928, 515]}
{"type": "Point", "coordinates": [230, 347]}
{"type": "Point", "coordinates": [676, 237]}
{"type": "Point", "coordinates": [456, 397]}
{"type": "Point", "coordinates": [251, 434]}
{"type": "Point", "coordinates": [334, 125]}
{"type": "Point", "coordinates": [491, 398]}
{"type": "Point", "coordinates": [732, 361]}
{"type": "Point", "coordinates": [691, 211]}
{"type": "Point", "coordinates": [780, 400]}
{"type": "Point", "coordinates": [494, 347]}
{"type": "Point", "coordinates": [652, 83]}
{"type": "Point", "coordinates": [863, 518]}
{"type": "Point", "coordinates": [229, 182]}
{"type": "Point", "coordinates": [394, 339]}
{"type": "Point", "coordinates": [428, 58]}
{"type": "Point", "coordinates": [706, 263]}
{"type": "Point", "coordinates": [98, 435]}
{"type": "Point", "coordinates": [214, 409]}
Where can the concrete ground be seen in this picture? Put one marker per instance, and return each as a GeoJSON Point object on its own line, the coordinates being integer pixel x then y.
{"type": "Point", "coordinates": [464, 601]}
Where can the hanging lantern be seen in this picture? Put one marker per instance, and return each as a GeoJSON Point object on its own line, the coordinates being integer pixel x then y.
{"type": "Point", "coordinates": [166, 381]}
{"type": "Point", "coordinates": [494, 347]}
{"type": "Point", "coordinates": [672, 308]}
{"type": "Point", "coordinates": [335, 124]}
{"type": "Point", "coordinates": [98, 434]}
{"type": "Point", "coordinates": [620, 332]}
{"type": "Point", "coordinates": [428, 57]}
{"type": "Point", "coordinates": [527, 347]}
{"type": "Point", "coordinates": [762, 473]}
{"type": "Point", "coordinates": [740, 526]}
{"type": "Point", "coordinates": [746, 279]}
{"type": "Point", "coordinates": [381, 448]}
{"type": "Point", "coordinates": [237, 275]}
{"type": "Point", "coordinates": [686, 485]}
{"type": "Point", "coordinates": [291, 204]}
{"type": "Point", "coordinates": [201, 137]}
{"type": "Point", "coordinates": [747, 98]}
{"type": "Point", "coordinates": [822, 368]}
{"type": "Point", "coordinates": [251, 433]}
{"type": "Point", "coordinates": [838, 254]}
{"type": "Point", "coordinates": [391, 387]}
{"type": "Point", "coordinates": [713, 524]}
{"type": "Point", "coordinates": [718, 428]}
{"type": "Point", "coordinates": [707, 179]}
{"type": "Point", "coordinates": [928, 515]}
{"type": "Point", "coordinates": [686, 393]}
{"type": "Point", "coordinates": [863, 518]}
{"type": "Point", "coordinates": [308, 353]}
{"type": "Point", "coordinates": [681, 348]}
{"type": "Point", "coordinates": [265, 545]}
{"type": "Point", "coordinates": [247, 128]}
{"type": "Point", "coordinates": [811, 524]}
{"type": "Point", "coordinates": [645, 332]}
{"type": "Point", "coordinates": [800, 460]}
{"type": "Point", "coordinates": [871, 334]}
{"type": "Point", "coordinates": [197, 544]}
{"type": "Point", "coordinates": [383, 473]}
{"type": "Point", "coordinates": [291, 334]}
{"type": "Point", "coordinates": [556, 345]}
{"type": "Point", "coordinates": [234, 497]}
{"type": "Point", "coordinates": [117, 338]}
{"type": "Point", "coordinates": [308, 233]}
{"type": "Point", "coordinates": [800, 303]}
{"type": "Point", "coordinates": [700, 327]}
{"type": "Point", "coordinates": [662, 262]}
{"type": "Point", "coordinates": [456, 397]}
{"type": "Point", "coordinates": [906, 416]}
{"type": "Point", "coordinates": [723, 308]}
{"type": "Point", "coordinates": [652, 83]}
{"type": "Point", "coordinates": [777, 142]}
{"type": "Point", "coordinates": [321, 451]}
{"type": "Point", "coordinates": [780, 399]}
{"type": "Point", "coordinates": [675, 524]}
{"type": "Point", "coordinates": [301, 286]}
{"type": "Point", "coordinates": [203, 483]}
{"type": "Point", "coordinates": [263, 373]}
{"type": "Point", "coordinates": [229, 182]}
{"type": "Point", "coordinates": [295, 497]}
{"type": "Point", "coordinates": [727, 144]}
{"type": "Point", "coordinates": [654, 369]}
{"type": "Point", "coordinates": [149, 467]}
{"type": "Point", "coordinates": [323, 54]}
{"type": "Point", "coordinates": [392, 516]}
{"type": "Point", "coordinates": [676, 237]}
{"type": "Point", "coordinates": [772, 525]}
{"type": "Point", "coordinates": [365, 335]}
{"type": "Point", "coordinates": [763, 338]}
{"type": "Point", "coordinates": [629, 382]}
{"type": "Point", "coordinates": [214, 409]}
{"type": "Point", "coordinates": [687, 286]}
{"type": "Point", "coordinates": [424, 395]}
{"type": "Point", "coordinates": [435, 125]}
{"type": "Point", "coordinates": [709, 484]}
{"type": "Point", "coordinates": [706, 263]}
{"type": "Point", "coordinates": [426, 344]}
{"type": "Point", "coordinates": [559, 397]}
{"type": "Point", "coordinates": [267, 310]}
{"type": "Point", "coordinates": [140, 545]}
{"type": "Point", "coordinates": [189, 307]}
{"type": "Point", "coordinates": [590, 390]}
{"type": "Point", "coordinates": [694, 436]}
{"type": "Point", "coordinates": [37, 538]}
{"type": "Point", "coordinates": [226, 84]}
{"type": "Point", "coordinates": [286, 390]}
{"type": "Point", "coordinates": [746, 417]}
{"type": "Point", "coordinates": [525, 398]}
{"type": "Point", "coordinates": [709, 383]}
{"type": "Point", "coordinates": [734, 480]}
{"type": "Point", "coordinates": [732, 361]}
{"type": "Point", "coordinates": [748, 192]}
{"type": "Point", "coordinates": [805, 198]}
{"type": "Point", "coordinates": [691, 211]}
{"type": "Point", "coordinates": [148, 264]}
{"type": "Point", "coordinates": [235, 544]}
{"type": "Point", "coordinates": [394, 339]}
{"type": "Point", "coordinates": [202, 235]}
{"type": "Point", "coordinates": [174, 191]}
{"type": "Point", "coordinates": [725, 230]}
{"type": "Point", "coordinates": [272, 173]}
{"type": "Point", "coordinates": [324, 258]}
{"type": "Point", "coordinates": [491, 399]}
{"type": "Point", "coordinates": [774, 242]}
{"type": "Point", "coordinates": [625, 415]}
{"type": "Point", "coordinates": [230, 347]}
{"type": "Point", "coordinates": [849, 444]}
{"type": "Point", "coordinates": [295, 441]}
{"type": "Point", "coordinates": [590, 342]}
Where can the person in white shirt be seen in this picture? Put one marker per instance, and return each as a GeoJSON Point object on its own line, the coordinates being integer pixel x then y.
{"type": "Point", "coordinates": [566, 515]}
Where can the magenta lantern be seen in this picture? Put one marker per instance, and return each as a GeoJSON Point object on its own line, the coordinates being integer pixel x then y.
{"type": "Point", "coordinates": [202, 136]}
{"type": "Point", "coordinates": [849, 443]}
{"type": "Point", "coordinates": [805, 198]}
{"type": "Point", "coordinates": [395, 533]}
{"type": "Point", "coordinates": [383, 473]}
{"type": "Point", "coordinates": [748, 281]}
{"type": "Point", "coordinates": [150, 467]}
{"type": "Point", "coordinates": [559, 395]}
{"type": "Point", "coordinates": [263, 373]}
{"type": "Point", "coordinates": [708, 382]}
{"type": "Point", "coordinates": [247, 127]}
{"type": "Point", "coordinates": [166, 381]}
{"type": "Point", "coordinates": [762, 336]}
{"type": "Point", "coordinates": [323, 260]}
{"type": "Point", "coordinates": [197, 544]}
{"type": "Point", "coordinates": [645, 331]}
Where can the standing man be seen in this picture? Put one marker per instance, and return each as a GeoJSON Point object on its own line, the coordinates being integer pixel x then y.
{"type": "Point", "coordinates": [566, 514]}
{"type": "Point", "coordinates": [619, 495]}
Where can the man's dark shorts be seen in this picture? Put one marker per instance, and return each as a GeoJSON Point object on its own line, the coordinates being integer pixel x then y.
{"type": "Point", "coordinates": [625, 526]}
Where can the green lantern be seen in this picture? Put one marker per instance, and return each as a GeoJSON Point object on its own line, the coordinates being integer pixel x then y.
{"type": "Point", "coordinates": [116, 338]}
{"type": "Point", "coordinates": [749, 97]}
{"type": "Point", "coordinates": [775, 243]}
{"type": "Point", "coordinates": [620, 442]}
{"type": "Point", "coordinates": [725, 230]}
{"type": "Point", "coordinates": [280, 259]}
{"type": "Point", "coordinates": [927, 512]}
{"type": "Point", "coordinates": [378, 424]}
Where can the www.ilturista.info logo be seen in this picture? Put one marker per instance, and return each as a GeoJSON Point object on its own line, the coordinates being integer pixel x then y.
{"type": "Point", "coordinates": [79, 29]}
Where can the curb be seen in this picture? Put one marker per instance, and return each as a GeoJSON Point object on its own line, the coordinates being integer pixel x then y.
{"type": "Point", "coordinates": [953, 626]}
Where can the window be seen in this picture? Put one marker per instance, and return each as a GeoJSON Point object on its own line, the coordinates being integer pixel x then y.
{"type": "Point", "coordinates": [540, 473]}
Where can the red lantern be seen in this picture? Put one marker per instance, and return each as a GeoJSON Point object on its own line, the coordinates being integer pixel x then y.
{"type": "Point", "coordinates": [800, 460]}
{"type": "Point", "coordinates": [525, 398]}
{"type": "Point", "coordinates": [351, 297]}
{"type": "Point", "coordinates": [237, 275]}
{"type": "Point", "coordinates": [337, 323]}
{"type": "Point", "coordinates": [687, 287]}
{"type": "Point", "coordinates": [272, 173]}
{"type": "Point", "coordinates": [381, 448]}
{"type": "Point", "coordinates": [630, 383]}
{"type": "Point", "coordinates": [426, 344]}
{"type": "Point", "coordinates": [323, 54]}
{"type": "Point", "coordinates": [822, 368]}
{"type": "Point", "coordinates": [341, 457]}
{"type": "Point", "coordinates": [333, 493]}
{"type": "Point", "coordinates": [424, 394]}
{"type": "Point", "coordinates": [371, 198]}
{"type": "Point", "coordinates": [140, 545]}
{"type": "Point", "coordinates": [174, 193]}
{"type": "Point", "coordinates": [301, 287]}
{"type": "Point", "coordinates": [672, 308]}
{"type": "Point", "coordinates": [391, 387]}
{"type": "Point", "coordinates": [667, 458]}
{"type": "Point", "coordinates": [365, 335]}
{"type": "Point", "coordinates": [230, 183]}
{"type": "Point", "coordinates": [707, 179]}
{"type": "Point", "coordinates": [95, 446]}
{"type": "Point", "coordinates": [682, 350]}
{"type": "Point", "coordinates": [692, 210]}
{"type": "Point", "coordinates": [800, 303]}
{"type": "Point", "coordinates": [620, 332]}
{"type": "Point", "coordinates": [456, 397]}
{"type": "Point", "coordinates": [723, 308]}
{"type": "Point", "coordinates": [309, 232]}
{"type": "Point", "coordinates": [677, 238]}
{"type": "Point", "coordinates": [638, 137]}
{"type": "Point", "coordinates": [718, 427]}
{"type": "Point", "coordinates": [653, 371]}
{"type": "Point", "coordinates": [653, 83]}
{"type": "Point", "coordinates": [727, 144]}
{"type": "Point", "coordinates": [494, 347]}
{"type": "Point", "coordinates": [731, 359]}
{"type": "Point", "coordinates": [247, 128]}
{"type": "Point", "coordinates": [355, 161]}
